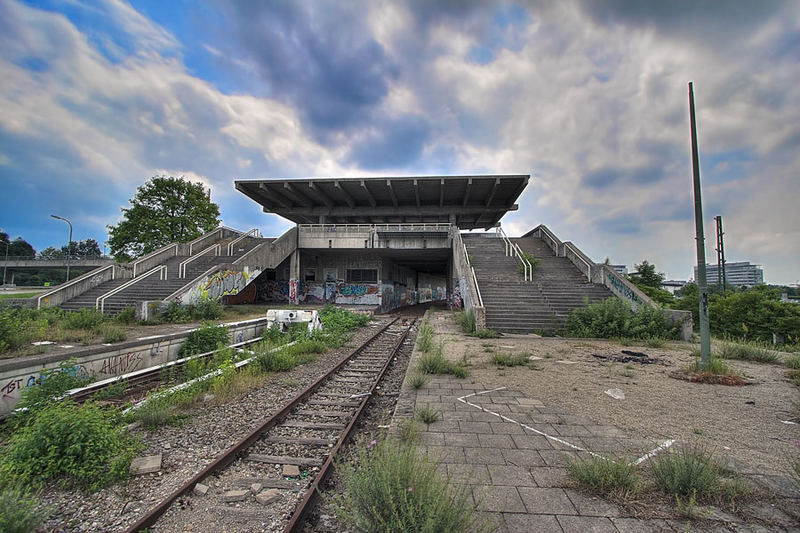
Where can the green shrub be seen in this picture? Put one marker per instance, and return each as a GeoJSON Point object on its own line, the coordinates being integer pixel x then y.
{"type": "Point", "coordinates": [505, 359]}
{"type": "Point", "coordinates": [613, 318]}
{"type": "Point", "coordinates": [206, 309]}
{"type": "Point", "coordinates": [77, 445]}
{"type": "Point", "coordinates": [126, 316]}
{"type": "Point", "coordinates": [342, 320]}
{"type": "Point", "coordinates": [158, 412]}
{"type": "Point", "coordinates": [417, 381]}
{"type": "Point", "coordinates": [531, 259]}
{"type": "Point", "coordinates": [435, 362]}
{"type": "Point", "coordinates": [276, 361]}
{"type": "Point", "coordinates": [88, 319]}
{"type": "Point", "coordinates": [792, 362]}
{"type": "Point", "coordinates": [408, 430]}
{"type": "Point", "coordinates": [425, 336]}
{"type": "Point", "coordinates": [393, 487]}
{"type": "Point", "coordinates": [176, 313]}
{"type": "Point", "coordinates": [52, 384]}
{"type": "Point", "coordinates": [687, 471]}
{"type": "Point", "coordinates": [605, 475]}
{"type": "Point", "coordinates": [747, 351]}
{"type": "Point", "coordinates": [426, 414]}
{"type": "Point", "coordinates": [19, 512]}
{"type": "Point", "coordinates": [486, 333]}
{"type": "Point", "coordinates": [273, 335]}
{"type": "Point", "coordinates": [206, 338]}
{"type": "Point", "coordinates": [466, 320]}
{"type": "Point", "coordinates": [716, 367]}
{"type": "Point", "coordinates": [112, 333]}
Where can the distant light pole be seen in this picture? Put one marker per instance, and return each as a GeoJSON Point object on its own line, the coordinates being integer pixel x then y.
{"type": "Point", "coordinates": [69, 246]}
{"type": "Point", "coordinates": [5, 265]}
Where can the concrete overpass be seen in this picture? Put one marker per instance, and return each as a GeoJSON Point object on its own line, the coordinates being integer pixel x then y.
{"type": "Point", "coordinates": [19, 264]}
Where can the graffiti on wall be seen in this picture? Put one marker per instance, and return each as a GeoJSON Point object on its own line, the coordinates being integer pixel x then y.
{"type": "Point", "coordinates": [358, 293]}
{"type": "Point", "coordinates": [222, 283]}
{"type": "Point", "coordinates": [622, 289]}
{"type": "Point", "coordinates": [11, 391]}
{"type": "Point", "coordinates": [121, 364]}
{"type": "Point", "coordinates": [455, 301]}
{"type": "Point", "coordinates": [293, 290]}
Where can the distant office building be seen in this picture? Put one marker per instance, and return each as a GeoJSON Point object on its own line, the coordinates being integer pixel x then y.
{"type": "Point", "coordinates": [672, 285]}
{"type": "Point", "coordinates": [741, 274]}
{"type": "Point", "coordinates": [620, 269]}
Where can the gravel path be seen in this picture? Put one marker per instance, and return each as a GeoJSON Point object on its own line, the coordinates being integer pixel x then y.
{"type": "Point", "coordinates": [187, 449]}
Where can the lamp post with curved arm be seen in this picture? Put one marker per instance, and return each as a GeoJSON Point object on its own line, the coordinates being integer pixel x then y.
{"type": "Point", "coordinates": [69, 246]}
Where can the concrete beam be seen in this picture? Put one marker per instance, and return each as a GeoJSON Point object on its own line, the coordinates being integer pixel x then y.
{"type": "Point", "coordinates": [466, 192]}
{"type": "Point", "coordinates": [441, 193]}
{"type": "Point", "coordinates": [347, 197]}
{"type": "Point", "coordinates": [382, 211]}
{"type": "Point", "coordinates": [416, 191]}
{"type": "Point", "coordinates": [318, 195]}
{"type": "Point", "coordinates": [369, 194]}
{"type": "Point", "coordinates": [492, 193]}
{"type": "Point", "coordinates": [272, 195]}
{"type": "Point", "coordinates": [294, 193]}
{"type": "Point", "coordinates": [391, 191]}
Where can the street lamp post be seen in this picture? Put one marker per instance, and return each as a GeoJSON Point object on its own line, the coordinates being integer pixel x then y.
{"type": "Point", "coordinates": [69, 246]}
{"type": "Point", "coordinates": [5, 265]}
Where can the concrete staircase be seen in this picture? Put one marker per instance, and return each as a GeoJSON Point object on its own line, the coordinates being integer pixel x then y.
{"type": "Point", "coordinates": [514, 305]}
{"type": "Point", "coordinates": [153, 288]}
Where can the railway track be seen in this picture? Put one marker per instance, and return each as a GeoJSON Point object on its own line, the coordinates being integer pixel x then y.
{"type": "Point", "coordinates": [270, 478]}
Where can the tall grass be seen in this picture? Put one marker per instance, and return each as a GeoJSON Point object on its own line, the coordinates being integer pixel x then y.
{"type": "Point", "coordinates": [688, 471]}
{"type": "Point", "coordinates": [425, 336]}
{"type": "Point", "coordinates": [390, 486]}
{"type": "Point", "coordinates": [747, 351]}
{"type": "Point", "coordinates": [434, 362]}
{"type": "Point", "coordinates": [19, 512]}
{"type": "Point", "coordinates": [466, 320]}
{"type": "Point", "coordinates": [606, 475]}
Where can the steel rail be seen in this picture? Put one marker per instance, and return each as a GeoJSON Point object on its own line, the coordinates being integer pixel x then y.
{"type": "Point", "coordinates": [312, 494]}
{"type": "Point", "coordinates": [232, 453]}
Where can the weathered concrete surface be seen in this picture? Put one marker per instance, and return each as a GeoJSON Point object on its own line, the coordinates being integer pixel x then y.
{"type": "Point", "coordinates": [146, 465]}
{"type": "Point", "coordinates": [105, 361]}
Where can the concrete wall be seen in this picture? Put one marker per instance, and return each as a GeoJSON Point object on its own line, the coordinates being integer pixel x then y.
{"type": "Point", "coordinates": [223, 282]}
{"type": "Point", "coordinates": [105, 361]}
{"type": "Point", "coordinates": [82, 284]}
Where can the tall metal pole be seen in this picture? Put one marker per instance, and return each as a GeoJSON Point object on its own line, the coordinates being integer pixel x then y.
{"type": "Point", "coordinates": [702, 288]}
{"type": "Point", "coordinates": [721, 281]}
{"type": "Point", "coordinates": [5, 265]}
{"type": "Point", "coordinates": [69, 246]}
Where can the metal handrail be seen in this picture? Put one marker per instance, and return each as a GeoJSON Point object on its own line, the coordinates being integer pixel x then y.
{"type": "Point", "coordinates": [100, 302]}
{"type": "Point", "coordinates": [182, 267]}
{"type": "Point", "coordinates": [73, 282]}
{"type": "Point", "coordinates": [469, 266]}
{"type": "Point", "coordinates": [333, 228]}
{"type": "Point", "coordinates": [577, 253]}
{"type": "Point", "coordinates": [513, 248]}
{"type": "Point", "coordinates": [254, 233]}
{"type": "Point", "coordinates": [153, 254]}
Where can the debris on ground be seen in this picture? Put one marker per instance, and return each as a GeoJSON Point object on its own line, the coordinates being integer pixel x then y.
{"type": "Point", "coordinates": [629, 356]}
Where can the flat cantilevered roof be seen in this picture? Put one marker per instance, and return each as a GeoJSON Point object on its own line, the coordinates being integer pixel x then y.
{"type": "Point", "coordinates": [467, 201]}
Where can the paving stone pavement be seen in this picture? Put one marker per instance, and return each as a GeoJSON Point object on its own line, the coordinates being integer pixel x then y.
{"type": "Point", "coordinates": [511, 451]}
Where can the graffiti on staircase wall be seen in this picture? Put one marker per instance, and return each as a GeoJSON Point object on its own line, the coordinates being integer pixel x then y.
{"type": "Point", "coordinates": [222, 283]}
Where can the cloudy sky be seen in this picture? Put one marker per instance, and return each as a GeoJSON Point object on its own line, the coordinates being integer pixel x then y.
{"type": "Point", "coordinates": [589, 97]}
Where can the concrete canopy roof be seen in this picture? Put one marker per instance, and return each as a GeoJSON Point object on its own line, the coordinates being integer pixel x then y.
{"type": "Point", "coordinates": [468, 201]}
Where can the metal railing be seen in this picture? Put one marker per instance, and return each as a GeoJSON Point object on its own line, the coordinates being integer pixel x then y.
{"type": "Point", "coordinates": [182, 267]}
{"type": "Point", "coordinates": [513, 248]}
{"type": "Point", "coordinates": [210, 234]}
{"type": "Point", "coordinates": [571, 251]}
{"type": "Point", "coordinates": [252, 233]}
{"type": "Point", "coordinates": [101, 300]}
{"type": "Point", "coordinates": [457, 237]}
{"type": "Point", "coordinates": [360, 228]}
{"type": "Point", "coordinates": [75, 281]}
{"type": "Point", "coordinates": [152, 255]}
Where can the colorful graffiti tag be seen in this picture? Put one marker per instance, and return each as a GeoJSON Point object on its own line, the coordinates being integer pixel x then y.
{"type": "Point", "coordinates": [222, 283]}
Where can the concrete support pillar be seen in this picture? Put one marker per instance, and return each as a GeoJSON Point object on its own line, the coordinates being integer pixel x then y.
{"type": "Point", "coordinates": [294, 276]}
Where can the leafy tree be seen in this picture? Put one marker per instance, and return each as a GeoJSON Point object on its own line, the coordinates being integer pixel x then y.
{"type": "Point", "coordinates": [164, 210]}
{"type": "Point", "coordinates": [82, 249]}
{"type": "Point", "coordinates": [51, 253]}
{"type": "Point", "coordinates": [19, 247]}
{"type": "Point", "coordinates": [647, 275]}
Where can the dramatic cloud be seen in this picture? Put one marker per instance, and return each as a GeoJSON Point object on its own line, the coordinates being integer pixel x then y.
{"type": "Point", "coordinates": [588, 97]}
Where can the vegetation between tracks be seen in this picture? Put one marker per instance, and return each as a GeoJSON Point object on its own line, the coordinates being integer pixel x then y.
{"type": "Point", "coordinates": [393, 486]}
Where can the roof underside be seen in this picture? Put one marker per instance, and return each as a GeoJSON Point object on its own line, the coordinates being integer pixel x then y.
{"type": "Point", "coordinates": [467, 201]}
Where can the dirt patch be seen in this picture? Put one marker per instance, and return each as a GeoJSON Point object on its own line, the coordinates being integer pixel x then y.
{"type": "Point", "coordinates": [754, 425]}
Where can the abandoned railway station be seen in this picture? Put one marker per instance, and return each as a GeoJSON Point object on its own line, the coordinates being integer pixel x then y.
{"type": "Point", "coordinates": [382, 242]}
{"type": "Point", "coordinates": [379, 243]}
